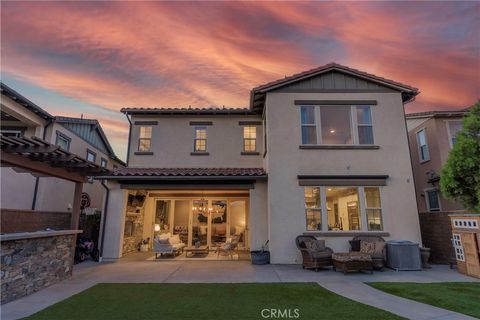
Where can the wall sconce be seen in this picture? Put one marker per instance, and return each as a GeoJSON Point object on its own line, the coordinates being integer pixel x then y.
{"type": "Point", "coordinates": [157, 227]}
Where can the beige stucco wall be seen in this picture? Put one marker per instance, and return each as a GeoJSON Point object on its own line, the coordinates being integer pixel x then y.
{"type": "Point", "coordinates": [114, 222]}
{"type": "Point", "coordinates": [258, 219]}
{"type": "Point", "coordinates": [285, 161]}
{"type": "Point", "coordinates": [172, 143]}
{"type": "Point", "coordinates": [438, 147]}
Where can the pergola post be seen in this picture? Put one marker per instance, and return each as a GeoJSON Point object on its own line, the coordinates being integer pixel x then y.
{"type": "Point", "coordinates": [77, 199]}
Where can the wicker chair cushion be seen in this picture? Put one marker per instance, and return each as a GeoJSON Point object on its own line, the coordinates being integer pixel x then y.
{"type": "Point", "coordinates": [355, 245]}
{"type": "Point", "coordinates": [315, 245]}
{"type": "Point", "coordinates": [379, 247]}
{"type": "Point", "coordinates": [351, 256]}
{"type": "Point", "coordinates": [321, 254]}
{"type": "Point", "coordinates": [367, 247]}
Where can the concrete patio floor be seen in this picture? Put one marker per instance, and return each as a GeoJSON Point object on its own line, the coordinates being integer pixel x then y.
{"type": "Point", "coordinates": [351, 286]}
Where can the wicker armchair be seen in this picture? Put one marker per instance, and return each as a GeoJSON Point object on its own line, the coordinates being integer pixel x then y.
{"type": "Point", "coordinates": [313, 259]}
{"type": "Point", "coordinates": [378, 257]}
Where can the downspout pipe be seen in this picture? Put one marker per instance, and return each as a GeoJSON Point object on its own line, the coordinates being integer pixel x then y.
{"type": "Point", "coordinates": [129, 137]}
{"type": "Point", "coordinates": [37, 179]}
{"type": "Point", "coordinates": [104, 219]}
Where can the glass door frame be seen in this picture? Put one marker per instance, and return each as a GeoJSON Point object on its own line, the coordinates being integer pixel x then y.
{"type": "Point", "coordinates": [209, 221]}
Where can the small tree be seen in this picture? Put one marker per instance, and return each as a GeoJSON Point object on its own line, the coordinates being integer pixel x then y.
{"type": "Point", "coordinates": [460, 176]}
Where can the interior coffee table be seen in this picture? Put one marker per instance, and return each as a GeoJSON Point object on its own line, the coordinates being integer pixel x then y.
{"type": "Point", "coordinates": [196, 251]}
{"type": "Point", "coordinates": [352, 261]}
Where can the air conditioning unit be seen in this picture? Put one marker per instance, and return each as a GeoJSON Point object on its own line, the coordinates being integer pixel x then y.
{"type": "Point", "coordinates": [403, 255]}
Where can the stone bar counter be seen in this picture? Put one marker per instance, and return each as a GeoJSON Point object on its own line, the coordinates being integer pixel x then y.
{"type": "Point", "coordinates": [31, 261]}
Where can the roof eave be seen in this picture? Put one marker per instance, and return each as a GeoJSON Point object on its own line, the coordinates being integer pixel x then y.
{"type": "Point", "coordinates": [181, 178]}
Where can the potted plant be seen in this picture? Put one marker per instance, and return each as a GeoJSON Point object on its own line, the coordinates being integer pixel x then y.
{"type": "Point", "coordinates": [261, 256]}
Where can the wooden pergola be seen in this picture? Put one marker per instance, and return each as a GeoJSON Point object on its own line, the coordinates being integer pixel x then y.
{"type": "Point", "coordinates": [42, 158]}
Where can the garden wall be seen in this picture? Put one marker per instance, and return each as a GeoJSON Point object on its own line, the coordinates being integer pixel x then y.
{"type": "Point", "coordinates": [436, 235]}
{"type": "Point", "coordinates": [33, 261]}
{"type": "Point", "coordinates": [29, 220]}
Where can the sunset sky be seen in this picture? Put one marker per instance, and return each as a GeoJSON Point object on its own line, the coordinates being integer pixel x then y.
{"type": "Point", "coordinates": [93, 58]}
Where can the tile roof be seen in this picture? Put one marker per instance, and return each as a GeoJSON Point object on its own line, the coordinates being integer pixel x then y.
{"type": "Point", "coordinates": [446, 113]}
{"type": "Point", "coordinates": [187, 110]}
{"type": "Point", "coordinates": [189, 172]}
{"type": "Point", "coordinates": [326, 68]}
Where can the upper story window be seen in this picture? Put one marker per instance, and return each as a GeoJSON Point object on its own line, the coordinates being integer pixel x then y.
{"type": "Point", "coordinates": [250, 139]}
{"type": "Point", "coordinates": [309, 126]}
{"type": "Point", "coordinates": [453, 128]}
{"type": "Point", "coordinates": [200, 139]}
{"type": "Point", "coordinates": [91, 156]}
{"type": "Point", "coordinates": [11, 133]}
{"type": "Point", "coordinates": [422, 146]}
{"type": "Point", "coordinates": [103, 163]}
{"type": "Point", "coordinates": [336, 125]}
{"type": "Point", "coordinates": [432, 197]}
{"type": "Point", "coordinates": [63, 141]}
{"type": "Point", "coordinates": [145, 139]}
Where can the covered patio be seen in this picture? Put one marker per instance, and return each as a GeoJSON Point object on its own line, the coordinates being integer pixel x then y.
{"type": "Point", "coordinates": [198, 211]}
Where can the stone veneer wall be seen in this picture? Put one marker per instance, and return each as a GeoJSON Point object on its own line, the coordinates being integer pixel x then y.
{"type": "Point", "coordinates": [130, 243]}
{"type": "Point", "coordinates": [436, 235]}
{"type": "Point", "coordinates": [29, 265]}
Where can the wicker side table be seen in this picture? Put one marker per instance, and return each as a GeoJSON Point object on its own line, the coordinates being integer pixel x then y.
{"type": "Point", "coordinates": [352, 262]}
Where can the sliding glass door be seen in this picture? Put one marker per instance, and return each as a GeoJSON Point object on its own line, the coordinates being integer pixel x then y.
{"type": "Point", "coordinates": [203, 221]}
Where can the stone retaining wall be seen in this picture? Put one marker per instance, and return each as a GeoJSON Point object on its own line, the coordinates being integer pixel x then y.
{"type": "Point", "coordinates": [436, 235]}
{"type": "Point", "coordinates": [29, 265]}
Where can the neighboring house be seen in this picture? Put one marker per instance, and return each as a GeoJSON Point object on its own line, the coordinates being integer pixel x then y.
{"type": "Point", "coordinates": [432, 135]}
{"type": "Point", "coordinates": [84, 137]}
{"type": "Point", "coordinates": [323, 152]}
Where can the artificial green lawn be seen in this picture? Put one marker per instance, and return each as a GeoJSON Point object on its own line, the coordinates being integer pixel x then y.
{"type": "Point", "coordinates": [463, 297]}
{"type": "Point", "coordinates": [207, 301]}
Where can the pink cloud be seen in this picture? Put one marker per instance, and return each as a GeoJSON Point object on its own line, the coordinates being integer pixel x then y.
{"type": "Point", "coordinates": [116, 54]}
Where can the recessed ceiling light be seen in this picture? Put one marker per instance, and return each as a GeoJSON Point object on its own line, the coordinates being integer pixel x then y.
{"type": "Point", "coordinates": [332, 131]}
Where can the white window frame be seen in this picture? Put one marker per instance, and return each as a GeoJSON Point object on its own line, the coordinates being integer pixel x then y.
{"type": "Point", "coordinates": [60, 135]}
{"type": "Point", "coordinates": [18, 133]}
{"type": "Point", "coordinates": [321, 208]}
{"type": "Point", "coordinates": [428, 202]}
{"type": "Point", "coordinates": [195, 128]}
{"type": "Point", "coordinates": [315, 124]}
{"type": "Point", "coordinates": [361, 203]}
{"type": "Point", "coordinates": [449, 133]}
{"type": "Point", "coordinates": [244, 139]}
{"type": "Point", "coordinates": [353, 125]}
{"type": "Point", "coordinates": [140, 138]}
{"type": "Point", "coordinates": [458, 247]}
{"type": "Point", "coordinates": [102, 161]}
{"type": "Point", "coordinates": [419, 147]}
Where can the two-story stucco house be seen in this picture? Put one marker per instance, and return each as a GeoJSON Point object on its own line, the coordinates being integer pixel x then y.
{"type": "Point", "coordinates": [85, 137]}
{"type": "Point", "coordinates": [432, 136]}
{"type": "Point", "coordinates": [323, 152]}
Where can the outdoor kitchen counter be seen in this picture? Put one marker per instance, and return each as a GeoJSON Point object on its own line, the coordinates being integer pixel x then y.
{"type": "Point", "coordinates": [37, 234]}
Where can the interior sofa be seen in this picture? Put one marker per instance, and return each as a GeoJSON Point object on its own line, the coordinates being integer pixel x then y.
{"type": "Point", "coordinates": [167, 244]}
